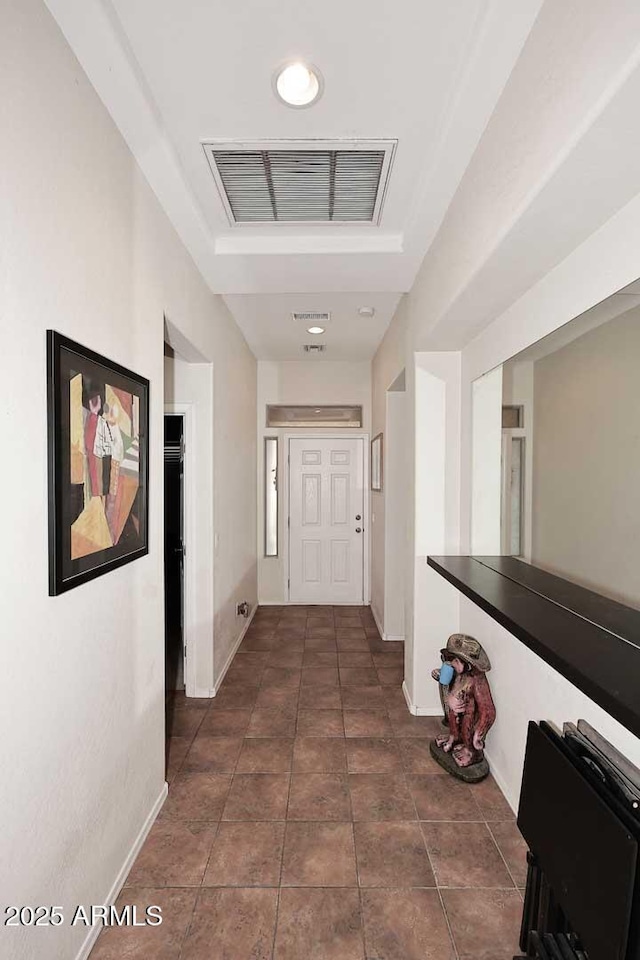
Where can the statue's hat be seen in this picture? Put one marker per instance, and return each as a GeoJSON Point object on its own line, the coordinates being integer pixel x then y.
{"type": "Point", "coordinates": [467, 649]}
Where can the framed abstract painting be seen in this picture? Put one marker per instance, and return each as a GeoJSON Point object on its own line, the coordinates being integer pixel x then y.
{"type": "Point", "coordinates": [98, 453]}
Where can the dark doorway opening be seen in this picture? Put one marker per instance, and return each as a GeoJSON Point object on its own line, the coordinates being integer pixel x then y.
{"type": "Point", "coordinates": [174, 552]}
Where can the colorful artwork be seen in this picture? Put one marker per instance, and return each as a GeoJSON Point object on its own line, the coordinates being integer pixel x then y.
{"type": "Point", "coordinates": [98, 428]}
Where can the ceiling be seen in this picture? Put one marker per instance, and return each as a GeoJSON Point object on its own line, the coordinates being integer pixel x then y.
{"type": "Point", "coordinates": [272, 333]}
{"type": "Point", "coordinates": [208, 67]}
{"type": "Point", "coordinates": [175, 73]}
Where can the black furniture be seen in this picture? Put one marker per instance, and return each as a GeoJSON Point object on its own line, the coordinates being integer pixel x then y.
{"type": "Point", "coordinates": [583, 886]}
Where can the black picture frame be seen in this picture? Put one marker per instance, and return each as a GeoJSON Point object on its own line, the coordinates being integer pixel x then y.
{"type": "Point", "coordinates": [98, 501]}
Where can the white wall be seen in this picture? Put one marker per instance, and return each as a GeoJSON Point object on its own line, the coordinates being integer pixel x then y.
{"type": "Point", "coordinates": [87, 250]}
{"type": "Point", "coordinates": [432, 462]}
{"type": "Point", "coordinates": [387, 366]}
{"type": "Point", "coordinates": [304, 382]}
{"type": "Point", "coordinates": [524, 687]}
{"type": "Point", "coordinates": [188, 389]}
{"type": "Point", "coordinates": [436, 511]}
{"type": "Point", "coordinates": [432, 428]}
{"type": "Point", "coordinates": [395, 486]}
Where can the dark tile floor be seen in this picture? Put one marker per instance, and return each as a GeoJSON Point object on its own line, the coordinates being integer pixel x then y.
{"type": "Point", "coordinates": [306, 819]}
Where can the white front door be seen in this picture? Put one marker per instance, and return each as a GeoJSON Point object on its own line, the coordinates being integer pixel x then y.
{"type": "Point", "coordinates": [326, 520]}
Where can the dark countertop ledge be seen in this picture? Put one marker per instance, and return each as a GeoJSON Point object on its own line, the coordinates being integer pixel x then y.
{"type": "Point", "coordinates": [592, 641]}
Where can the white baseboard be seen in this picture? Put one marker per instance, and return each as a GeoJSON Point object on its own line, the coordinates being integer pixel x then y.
{"type": "Point", "coordinates": [112, 896]}
{"type": "Point", "coordinates": [375, 616]}
{"type": "Point", "coordinates": [305, 603]}
{"type": "Point", "coordinates": [419, 711]}
{"type": "Point", "coordinates": [502, 782]}
{"type": "Point", "coordinates": [385, 636]}
{"type": "Point", "coordinates": [233, 652]}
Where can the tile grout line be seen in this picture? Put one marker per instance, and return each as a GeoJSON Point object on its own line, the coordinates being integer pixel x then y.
{"type": "Point", "coordinates": [435, 878]}
{"type": "Point", "coordinates": [187, 930]}
{"type": "Point", "coordinates": [488, 826]}
{"type": "Point", "coordinates": [201, 886]}
{"type": "Point", "coordinates": [244, 739]}
{"type": "Point", "coordinates": [405, 776]}
{"type": "Point", "coordinates": [277, 916]}
{"type": "Point", "coordinates": [403, 771]}
{"type": "Point", "coordinates": [286, 822]}
{"type": "Point", "coordinates": [359, 885]}
{"type": "Point", "coordinates": [343, 737]}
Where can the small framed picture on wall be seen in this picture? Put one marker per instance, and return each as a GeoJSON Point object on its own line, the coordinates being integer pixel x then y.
{"type": "Point", "coordinates": [376, 463]}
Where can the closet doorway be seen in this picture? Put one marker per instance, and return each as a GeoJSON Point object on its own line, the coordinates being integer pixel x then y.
{"type": "Point", "coordinates": [174, 552]}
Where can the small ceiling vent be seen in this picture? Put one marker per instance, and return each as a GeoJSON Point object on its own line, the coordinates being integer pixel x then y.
{"type": "Point", "coordinates": [301, 181]}
{"type": "Point", "coordinates": [313, 347]}
{"type": "Point", "coordinates": [312, 317]}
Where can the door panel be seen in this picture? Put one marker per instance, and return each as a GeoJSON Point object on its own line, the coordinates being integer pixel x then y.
{"type": "Point", "coordinates": [311, 499]}
{"type": "Point", "coordinates": [311, 560]}
{"type": "Point", "coordinates": [326, 542]}
{"type": "Point", "coordinates": [339, 499]}
{"type": "Point", "coordinates": [340, 561]}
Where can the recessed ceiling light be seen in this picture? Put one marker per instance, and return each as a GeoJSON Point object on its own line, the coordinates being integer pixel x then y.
{"type": "Point", "coordinates": [367, 311]}
{"type": "Point", "coordinates": [315, 330]}
{"type": "Point", "coordinates": [298, 84]}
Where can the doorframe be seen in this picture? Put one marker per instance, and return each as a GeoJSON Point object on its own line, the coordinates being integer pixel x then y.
{"type": "Point", "coordinates": [366, 458]}
{"type": "Point", "coordinates": [186, 411]}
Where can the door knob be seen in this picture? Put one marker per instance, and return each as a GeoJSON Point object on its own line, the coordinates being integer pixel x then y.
{"type": "Point", "coordinates": [358, 517]}
{"type": "Point", "coordinates": [358, 530]}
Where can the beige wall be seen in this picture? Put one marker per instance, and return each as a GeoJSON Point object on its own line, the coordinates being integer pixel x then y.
{"type": "Point", "coordinates": [188, 390]}
{"type": "Point", "coordinates": [86, 250]}
{"type": "Point", "coordinates": [432, 612]}
{"type": "Point", "coordinates": [431, 462]}
{"type": "Point", "coordinates": [388, 364]}
{"type": "Point", "coordinates": [395, 489]}
{"type": "Point", "coordinates": [234, 479]}
{"type": "Point", "coordinates": [595, 270]}
{"type": "Point", "coordinates": [299, 381]}
{"type": "Point", "coordinates": [600, 266]}
{"type": "Point", "coordinates": [586, 460]}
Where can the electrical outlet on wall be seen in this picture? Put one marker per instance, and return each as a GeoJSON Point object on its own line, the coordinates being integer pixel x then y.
{"type": "Point", "coordinates": [243, 609]}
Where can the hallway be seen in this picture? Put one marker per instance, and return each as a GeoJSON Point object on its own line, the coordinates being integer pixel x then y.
{"type": "Point", "coordinates": [307, 821]}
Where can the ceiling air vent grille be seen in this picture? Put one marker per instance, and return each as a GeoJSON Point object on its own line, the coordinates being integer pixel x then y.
{"type": "Point", "coordinates": [318, 316]}
{"type": "Point", "coordinates": [313, 347]}
{"type": "Point", "coordinates": [301, 181]}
